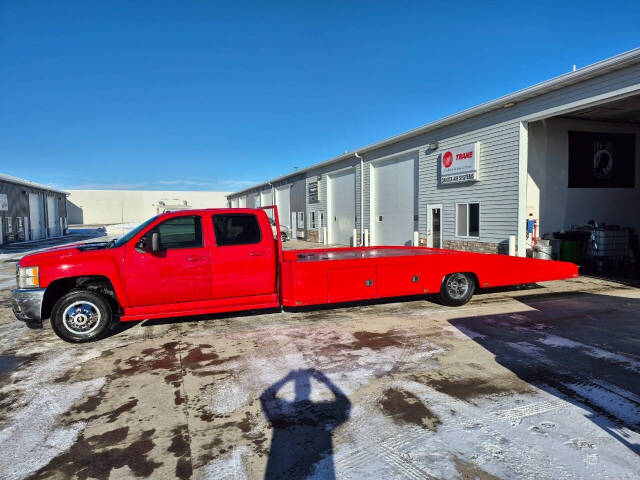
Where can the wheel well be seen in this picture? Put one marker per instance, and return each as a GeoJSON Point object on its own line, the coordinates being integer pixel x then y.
{"type": "Point", "coordinates": [62, 286]}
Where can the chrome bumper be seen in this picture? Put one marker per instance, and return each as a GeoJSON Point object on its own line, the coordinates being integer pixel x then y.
{"type": "Point", "coordinates": [27, 305]}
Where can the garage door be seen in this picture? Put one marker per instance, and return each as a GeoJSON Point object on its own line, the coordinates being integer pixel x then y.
{"type": "Point", "coordinates": [394, 202]}
{"type": "Point", "coordinates": [234, 203]}
{"type": "Point", "coordinates": [36, 216]}
{"type": "Point", "coordinates": [52, 212]}
{"type": "Point", "coordinates": [342, 207]}
{"type": "Point", "coordinates": [242, 202]}
{"type": "Point", "coordinates": [266, 200]}
{"type": "Point", "coordinates": [283, 201]}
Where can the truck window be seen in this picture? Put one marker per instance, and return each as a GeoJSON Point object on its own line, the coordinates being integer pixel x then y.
{"type": "Point", "coordinates": [236, 229]}
{"type": "Point", "coordinates": [180, 232]}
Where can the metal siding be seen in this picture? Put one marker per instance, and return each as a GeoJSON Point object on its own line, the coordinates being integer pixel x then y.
{"type": "Point", "coordinates": [497, 190]}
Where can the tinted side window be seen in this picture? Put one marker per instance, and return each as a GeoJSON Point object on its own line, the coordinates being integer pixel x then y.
{"type": "Point", "coordinates": [236, 229]}
{"type": "Point", "coordinates": [180, 232]}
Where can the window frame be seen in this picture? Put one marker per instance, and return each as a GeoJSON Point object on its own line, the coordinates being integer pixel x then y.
{"type": "Point", "coordinates": [467, 236]}
{"type": "Point", "coordinates": [156, 228]}
{"type": "Point", "coordinates": [215, 237]}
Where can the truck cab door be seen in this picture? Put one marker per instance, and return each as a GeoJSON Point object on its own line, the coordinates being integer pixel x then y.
{"type": "Point", "coordinates": [243, 258]}
{"type": "Point", "coordinates": [179, 272]}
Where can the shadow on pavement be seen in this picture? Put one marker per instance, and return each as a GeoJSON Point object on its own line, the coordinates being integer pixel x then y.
{"type": "Point", "coordinates": [302, 429]}
{"type": "Point", "coordinates": [583, 348]}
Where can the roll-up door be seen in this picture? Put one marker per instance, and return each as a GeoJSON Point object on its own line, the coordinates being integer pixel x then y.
{"type": "Point", "coordinates": [36, 216]}
{"type": "Point", "coordinates": [394, 201]}
{"type": "Point", "coordinates": [342, 207]}
{"type": "Point", "coordinates": [283, 201]}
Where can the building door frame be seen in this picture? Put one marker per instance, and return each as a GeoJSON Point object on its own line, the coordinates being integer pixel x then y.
{"type": "Point", "coordinates": [430, 208]}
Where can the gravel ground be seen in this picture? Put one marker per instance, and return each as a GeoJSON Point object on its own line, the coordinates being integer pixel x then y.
{"type": "Point", "coordinates": [536, 382]}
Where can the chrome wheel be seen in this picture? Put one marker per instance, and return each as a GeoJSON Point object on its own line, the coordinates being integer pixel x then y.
{"type": "Point", "coordinates": [81, 318]}
{"type": "Point", "coordinates": [457, 286]}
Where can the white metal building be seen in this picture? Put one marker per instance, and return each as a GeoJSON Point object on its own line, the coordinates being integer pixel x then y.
{"type": "Point", "coordinates": [563, 152]}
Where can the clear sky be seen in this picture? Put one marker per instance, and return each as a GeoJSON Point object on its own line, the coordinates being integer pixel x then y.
{"type": "Point", "coordinates": [211, 95]}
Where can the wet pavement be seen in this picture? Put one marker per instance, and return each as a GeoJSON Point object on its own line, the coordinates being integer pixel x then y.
{"type": "Point", "coordinates": [536, 382]}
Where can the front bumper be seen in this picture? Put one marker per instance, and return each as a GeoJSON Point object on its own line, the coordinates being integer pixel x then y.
{"type": "Point", "coordinates": [27, 305]}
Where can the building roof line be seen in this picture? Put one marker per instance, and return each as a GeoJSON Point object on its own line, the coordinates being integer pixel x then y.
{"type": "Point", "coordinates": [27, 183]}
{"type": "Point", "coordinates": [590, 71]}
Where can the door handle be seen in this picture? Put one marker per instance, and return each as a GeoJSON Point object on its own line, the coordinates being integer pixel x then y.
{"type": "Point", "coordinates": [195, 259]}
{"type": "Point", "coordinates": [256, 254]}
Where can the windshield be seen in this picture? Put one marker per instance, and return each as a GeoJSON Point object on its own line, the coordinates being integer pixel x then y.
{"type": "Point", "coordinates": [121, 241]}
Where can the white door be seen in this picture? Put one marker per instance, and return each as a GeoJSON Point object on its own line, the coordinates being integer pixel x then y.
{"type": "Point", "coordinates": [234, 203]}
{"type": "Point", "coordinates": [394, 202]}
{"type": "Point", "coordinates": [434, 225]}
{"type": "Point", "coordinates": [283, 201]}
{"type": "Point", "coordinates": [294, 224]}
{"type": "Point", "coordinates": [342, 207]}
{"type": "Point", "coordinates": [266, 198]}
{"type": "Point", "coordinates": [256, 201]}
{"type": "Point", "coordinates": [52, 216]}
{"type": "Point", "coordinates": [242, 202]}
{"type": "Point", "coordinates": [36, 216]}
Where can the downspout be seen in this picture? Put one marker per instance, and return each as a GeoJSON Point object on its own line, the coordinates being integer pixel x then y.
{"type": "Point", "coordinates": [361, 198]}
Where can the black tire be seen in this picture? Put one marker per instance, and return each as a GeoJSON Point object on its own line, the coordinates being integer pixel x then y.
{"type": "Point", "coordinates": [457, 289]}
{"type": "Point", "coordinates": [81, 310]}
{"type": "Point", "coordinates": [283, 236]}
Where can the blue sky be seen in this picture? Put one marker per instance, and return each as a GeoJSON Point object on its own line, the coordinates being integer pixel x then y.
{"type": "Point", "coordinates": [208, 95]}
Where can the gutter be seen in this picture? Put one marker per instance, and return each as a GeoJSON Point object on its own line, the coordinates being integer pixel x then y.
{"type": "Point", "coordinates": [361, 197]}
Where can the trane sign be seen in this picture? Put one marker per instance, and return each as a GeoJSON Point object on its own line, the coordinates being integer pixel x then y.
{"type": "Point", "coordinates": [460, 164]}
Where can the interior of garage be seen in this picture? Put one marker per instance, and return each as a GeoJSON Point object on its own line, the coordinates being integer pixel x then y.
{"type": "Point", "coordinates": [583, 187]}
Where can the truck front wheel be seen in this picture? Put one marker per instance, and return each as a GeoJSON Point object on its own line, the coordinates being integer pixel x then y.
{"type": "Point", "coordinates": [457, 289]}
{"type": "Point", "coordinates": [81, 316]}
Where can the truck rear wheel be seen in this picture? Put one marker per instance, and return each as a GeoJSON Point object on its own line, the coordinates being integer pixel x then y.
{"type": "Point", "coordinates": [457, 289]}
{"type": "Point", "coordinates": [81, 316]}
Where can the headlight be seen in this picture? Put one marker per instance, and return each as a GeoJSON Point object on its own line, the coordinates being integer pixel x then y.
{"type": "Point", "coordinates": [28, 277]}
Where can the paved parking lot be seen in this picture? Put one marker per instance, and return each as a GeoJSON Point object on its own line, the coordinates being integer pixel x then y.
{"type": "Point", "coordinates": [538, 382]}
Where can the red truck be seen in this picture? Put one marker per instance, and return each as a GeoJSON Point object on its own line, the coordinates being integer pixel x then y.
{"type": "Point", "coordinates": [195, 262]}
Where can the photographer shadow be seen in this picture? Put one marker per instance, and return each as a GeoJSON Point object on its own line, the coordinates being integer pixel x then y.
{"type": "Point", "coordinates": [302, 429]}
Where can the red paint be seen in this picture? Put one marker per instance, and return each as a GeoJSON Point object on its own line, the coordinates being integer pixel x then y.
{"type": "Point", "coordinates": [447, 159]}
{"type": "Point", "coordinates": [211, 278]}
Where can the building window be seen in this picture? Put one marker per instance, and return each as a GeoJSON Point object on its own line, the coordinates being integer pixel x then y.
{"type": "Point", "coordinates": [468, 219]}
{"type": "Point", "coordinates": [313, 219]}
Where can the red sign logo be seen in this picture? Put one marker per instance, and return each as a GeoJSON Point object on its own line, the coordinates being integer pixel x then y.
{"type": "Point", "coordinates": [447, 159]}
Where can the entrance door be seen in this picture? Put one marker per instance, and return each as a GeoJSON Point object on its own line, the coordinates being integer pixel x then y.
{"type": "Point", "coordinates": [294, 224]}
{"type": "Point", "coordinates": [342, 207]}
{"type": "Point", "coordinates": [434, 226]}
{"type": "Point", "coordinates": [180, 272]}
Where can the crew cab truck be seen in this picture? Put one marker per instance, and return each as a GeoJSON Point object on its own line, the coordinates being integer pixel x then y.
{"type": "Point", "coordinates": [194, 262]}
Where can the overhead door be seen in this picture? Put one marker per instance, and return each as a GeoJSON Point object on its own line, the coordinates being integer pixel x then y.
{"type": "Point", "coordinates": [394, 201]}
{"type": "Point", "coordinates": [52, 217]}
{"type": "Point", "coordinates": [266, 200]}
{"type": "Point", "coordinates": [283, 201]}
{"type": "Point", "coordinates": [342, 207]}
{"type": "Point", "coordinates": [234, 203]}
{"type": "Point", "coordinates": [242, 202]}
{"type": "Point", "coordinates": [36, 216]}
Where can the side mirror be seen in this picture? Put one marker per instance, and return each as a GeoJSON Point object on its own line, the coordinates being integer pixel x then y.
{"type": "Point", "coordinates": [155, 242]}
